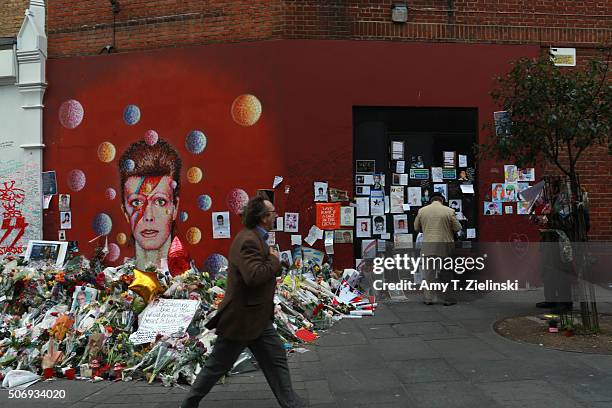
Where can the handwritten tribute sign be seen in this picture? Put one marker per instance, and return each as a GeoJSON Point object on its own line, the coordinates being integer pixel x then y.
{"type": "Point", "coordinates": [164, 316]}
{"type": "Point", "coordinates": [328, 216]}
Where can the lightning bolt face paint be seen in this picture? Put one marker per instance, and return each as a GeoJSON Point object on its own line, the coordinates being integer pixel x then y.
{"type": "Point", "coordinates": [149, 205]}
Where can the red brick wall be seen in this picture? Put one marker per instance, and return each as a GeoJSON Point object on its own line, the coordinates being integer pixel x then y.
{"type": "Point", "coordinates": [11, 16]}
{"type": "Point", "coordinates": [84, 27]}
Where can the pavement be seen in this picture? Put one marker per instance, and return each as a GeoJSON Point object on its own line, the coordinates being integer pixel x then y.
{"type": "Point", "coordinates": [408, 355]}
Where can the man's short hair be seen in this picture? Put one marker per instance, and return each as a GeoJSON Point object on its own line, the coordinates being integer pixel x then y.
{"type": "Point", "coordinates": [254, 211]}
{"type": "Point", "coordinates": [437, 196]}
{"type": "Point", "coordinates": [379, 218]}
{"type": "Point", "coordinates": [161, 159]}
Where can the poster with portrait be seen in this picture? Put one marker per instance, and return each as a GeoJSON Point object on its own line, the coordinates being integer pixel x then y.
{"type": "Point", "coordinates": [379, 224]}
{"type": "Point", "coordinates": [414, 196]}
{"type": "Point", "coordinates": [65, 220]}
{"type": "Point", "coordinates": [286, 259]}
{"type": "Point", "coordinates": [82, 296]}
{"type": "Point", "coordinates": [49, 182]}
{"type": "Point", "coordinates": [343, 236]}
{"type": "Point", "coordinates": [347, 216]}
{"type": "Point", "coordinates": [510, 173]}
{"type": "Point", "coordinates": [511, 191]}
{"type": "Point", "coordinates": [64, 202]}
{"type": "Point", "coordinates": [522, 207]}
{"type": "Point", "coordinates": [363, 229]}
{"type": "Point", "coordinates": [456, 205]}
{"type": "Point", "coordinates": [362, 190]}
{"type": "Point", "coordinates": [400, 224]}
{"type": "Point", "coordinates": [221, 225]}
{"type": "Point", "coordinates": [47, 251]}
{"type": "Point", "coordinates": [320, 191]}
{"type": "Point", "coordinates": [292, 221]}
{"type": "Point", "coordinates": [498, 192]}
{"type": "Point", "coordinates": [61, 235]}
{"type": "Point", "coordinates": [416, 162]}
{"type": "Point", "coordinates": [492, 208]}
{"type": "Point", "coordinates": [527, 174]}
{"type": "Point", "coordinates": [364, 179]}
{"type": "Point", "coordinates": [396, 199]}
{"type": "Point", "coordinates": [378, 181]}
{"type": "Point", "coordinates": [442, 189]}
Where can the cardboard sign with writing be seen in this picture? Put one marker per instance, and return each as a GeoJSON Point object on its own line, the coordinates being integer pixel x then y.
{"type": "Point", "coordinates": [328, 216]}
{"type": "Point", "coordinates": [164, 316]}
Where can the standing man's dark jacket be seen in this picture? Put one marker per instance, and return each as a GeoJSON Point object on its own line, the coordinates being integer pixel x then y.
{"type": "Point", "coordinates": [248, 305]}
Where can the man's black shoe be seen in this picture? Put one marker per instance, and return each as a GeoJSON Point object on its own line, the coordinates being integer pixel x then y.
{"type": "Point", "coordinates": [450, 303]}
{"type": "Point", "coordinates": [546, 305]}
{"type": "Point", "coordinates": [428, 303]}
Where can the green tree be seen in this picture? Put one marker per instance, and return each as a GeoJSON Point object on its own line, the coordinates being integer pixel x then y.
{"type": "Point", "coordinates": [555, 115]}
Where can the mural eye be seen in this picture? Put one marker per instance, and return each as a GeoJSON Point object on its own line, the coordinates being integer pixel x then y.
{"type": "Point", "coordinates": [136, 203]}
{"type": "Point", "coordinates": [161, 202]}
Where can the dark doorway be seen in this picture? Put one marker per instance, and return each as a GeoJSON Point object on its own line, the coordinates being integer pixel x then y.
{"type": "Point", "coordinates": [426, 132]}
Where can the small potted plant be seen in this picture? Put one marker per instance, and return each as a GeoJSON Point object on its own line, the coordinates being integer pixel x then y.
{"type": "Point", "coordinates": [553, 326]}
{"type": "Point", "coordinates": [568, 330]}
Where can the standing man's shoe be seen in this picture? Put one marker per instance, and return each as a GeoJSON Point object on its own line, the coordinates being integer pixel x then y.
{"type": "Point", "coordinates": [546, 305]}
{"type": "Point", "coordinates": [450, 303]}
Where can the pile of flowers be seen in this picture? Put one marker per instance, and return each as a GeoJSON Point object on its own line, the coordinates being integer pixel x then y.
{"type": "Point", "coordinates": [45, 331]}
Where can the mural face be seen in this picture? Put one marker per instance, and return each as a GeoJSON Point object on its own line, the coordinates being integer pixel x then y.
{"type": "Point", "coordinates": [149, 208]}
{"type": "Point", "coordinates": [150, 184]}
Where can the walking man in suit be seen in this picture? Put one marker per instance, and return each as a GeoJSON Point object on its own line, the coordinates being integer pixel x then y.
{"type": "Point", "coordinates": [438, 224]}
{"type": "Point", "coordinates": [244, 318]}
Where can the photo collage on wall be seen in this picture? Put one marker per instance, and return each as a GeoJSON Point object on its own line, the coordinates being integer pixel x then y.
{"type": "Point", "coordinates": [387, 201]}
{"type": "Point", "coordinates": [505, 197]}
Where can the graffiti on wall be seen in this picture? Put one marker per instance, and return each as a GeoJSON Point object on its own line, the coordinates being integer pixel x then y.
{"type": "Point", "coordinates": [21, 214]}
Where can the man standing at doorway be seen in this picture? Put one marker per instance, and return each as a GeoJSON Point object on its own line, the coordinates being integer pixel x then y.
{"type": "Point", "coordinates": [438, 224]}
{"type": "Point", "coordinates": [244, 318]}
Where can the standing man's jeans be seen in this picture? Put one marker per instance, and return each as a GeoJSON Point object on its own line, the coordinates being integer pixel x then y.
{"type": "Point", "coordinates": [270, 355]}
{"type": "Point", "coordinates": [438, 275]}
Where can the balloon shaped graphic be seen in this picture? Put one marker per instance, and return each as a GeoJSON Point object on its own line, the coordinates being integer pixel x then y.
{"type": "Point", "coordinates": [76, 180]}
{"type": "Point", "coordinates": [246, 110]}
{"type": "Point", "coordinates": [102, 224]}
{"type": "Point", "coordinates": [128, 165]}
{"type": "Point", "coordinates": [195, 142]}
{"type": "Point", "coordinates": [113, 252]}
{"type": "Point", "coordinates": [106, 152]}
{"type": "Point", "coordinates": [214, 263]}
{"type": "Point", "coordinates": [71, 114]}
{"type": "Point", "coordinates": [237, 199]}
{"type": "Point", "coordinates": [151, 137]}
{"type": "Point", "coordinates": [110, 193]}
{"type": "Point", "coordinates": [131, 114]}
{"type": "Point", "coordinates": [194, 175]}
{"type": "Point", "coordinates": [121, 238]}
{"type": "Point", "coordinates": [204, 202]}
{"type": "Point", "coordinates": [183, 216]}
{"type": "Point", "coordinates": [194, 235]}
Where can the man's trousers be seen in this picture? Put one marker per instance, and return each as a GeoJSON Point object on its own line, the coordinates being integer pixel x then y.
{"type": "Point", "coordinates": [270, 355]}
